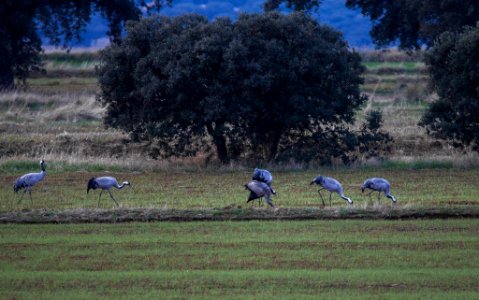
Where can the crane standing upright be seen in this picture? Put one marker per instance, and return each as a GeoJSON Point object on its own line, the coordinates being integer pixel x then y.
{"type": "Point", "coordinates": [28, 181]}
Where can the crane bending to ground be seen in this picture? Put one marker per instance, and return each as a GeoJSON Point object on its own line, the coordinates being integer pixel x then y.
{"type": "Point", "coordinates": [332, 186]}
{"type": "Point", "coordinates": [263, 175]}
{"type": "Point", "coordinates": [378, 185]}
{"type": "Point", "coordinates": [259, 189]}
{"type": "Point", "coordinates": [28, 181]}
{"type": "Point", "coordinates": [105, 183]}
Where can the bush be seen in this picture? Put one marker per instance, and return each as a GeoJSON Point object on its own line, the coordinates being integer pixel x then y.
{"type": "Point", "coordinates": [327, 144]}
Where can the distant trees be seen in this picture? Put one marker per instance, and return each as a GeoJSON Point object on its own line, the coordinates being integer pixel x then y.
{"type": "Point", "coordinates": [255, 88]}
{"type": "Point", "coordinates": [298, 5]}
{"type": "Point", "coordinates": [414, 23]}
{"type": "Point", "coordinates": [411, 22]}
{"type": "Point", "coordinates": [59, 21]}
{"type": "Point", "coordinates": [444, 26]}
{"type": "Point", "coordinates": [453, 65]}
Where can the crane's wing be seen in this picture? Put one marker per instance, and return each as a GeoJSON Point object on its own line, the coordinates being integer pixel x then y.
{"type": "Point", "coordinates": [106, 181]}
{"type": "Point", "coordinates": [31, 179]}
{"type": "Point", "coordinates": [332, 184]}
{"type": "Point", "coordinates": [260, 189]}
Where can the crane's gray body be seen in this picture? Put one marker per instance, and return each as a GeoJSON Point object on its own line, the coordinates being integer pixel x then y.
{"type": "Point", "coordinates": [332, 186]}
{"type": "Point", "coordinates": [258, 190]}
{"type": "Point", "coordinates": [379, 185]}
{"type": "Point", "coordinates": [105, 183]}
{"type": "Point", "coordinates": [29, 180]}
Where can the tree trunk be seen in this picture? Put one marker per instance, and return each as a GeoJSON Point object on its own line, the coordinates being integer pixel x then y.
{"type": "Point", "coordinates": [220, 143]}
{"type": "Point", "coordinates": [6, 79]}
{"type": "Point", "coordinates": [273, 149]}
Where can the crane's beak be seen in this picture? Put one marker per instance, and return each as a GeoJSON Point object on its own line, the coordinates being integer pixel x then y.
{"type": "Point", "coordinates": [312, 182]}
{"type": "Point", "coordinates": [362, 190]}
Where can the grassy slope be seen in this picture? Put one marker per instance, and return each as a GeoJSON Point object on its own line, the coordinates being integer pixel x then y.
{"type": "Point", "coordinates": [302, 259]}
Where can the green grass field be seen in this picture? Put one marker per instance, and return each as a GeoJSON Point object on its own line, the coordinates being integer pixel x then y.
{"type": "Point", "coordinates": [219, 188]}
{"type": "Point", "coordinates": [57, 118]}
{"type": "Point", "coordinates": [232, 260]}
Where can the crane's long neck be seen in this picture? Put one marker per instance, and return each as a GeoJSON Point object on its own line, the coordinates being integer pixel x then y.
{"type": "Point", "coordinates": [125, 183]}
{"type": "Point", "coordinates": [41, 175]}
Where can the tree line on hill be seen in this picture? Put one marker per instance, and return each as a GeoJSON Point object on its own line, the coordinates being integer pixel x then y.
{"type": "Point", "coordinates": [268, 86]}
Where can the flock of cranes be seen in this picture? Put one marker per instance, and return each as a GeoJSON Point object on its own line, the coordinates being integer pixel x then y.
{"type": "Point", "coordinates": [259, 186]}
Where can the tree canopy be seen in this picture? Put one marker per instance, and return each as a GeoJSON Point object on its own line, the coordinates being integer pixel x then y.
{"type": "Point", "coordinates": [453, 65]}
{"type": "Point", "coordinates": [298, 5]}
{"type": "Point", "coordinates": [60, 22]}
{"type": "Point", "coordinates": [411, 22]}
{"type": "Point", "coordinates": [253, 88]}
{"type": "Point", "coordinates": [415, 23]}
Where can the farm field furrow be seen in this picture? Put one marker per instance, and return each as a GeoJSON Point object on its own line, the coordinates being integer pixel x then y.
{"type": "Point", "coordinates": [295, 259]}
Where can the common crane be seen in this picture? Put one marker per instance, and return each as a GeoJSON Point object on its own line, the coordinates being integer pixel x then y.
{"type": "Point", "coordinates": [332, 186]}
{"type": "Point", "coordinates": [258, 190]}
{"type": "Point", "coordinates": [378, 185]}
{"type": "Point", "coordinates": [105, 183]}
{"type": "Point", "coordinates": [263, 175]}
{"type": "Point", "coordinates": [29, 180]}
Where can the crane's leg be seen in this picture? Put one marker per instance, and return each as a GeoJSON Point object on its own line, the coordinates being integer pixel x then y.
{"type": "Point", "coordinates": [30, 193]}
{"type": "Point", "coordinates": [99, 197]}
{"type": "Point", "coordinates": [268, 201]}
{"type": "Point", "coordinates": [113, 198]}
{"type": "Point", "coordinates": [370, 199]}
{"type": "Point", "coordinates": [379, 197]}
{"type": "Point", "coordinates": [21, 197]}
{"type": "Point", "coordinates": [330, 195]}
{"type": "Point", "coordinates": [319, 192]}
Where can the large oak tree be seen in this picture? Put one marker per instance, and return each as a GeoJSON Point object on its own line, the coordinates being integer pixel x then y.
{"type": "Point", "coordinates": [256, 86]}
